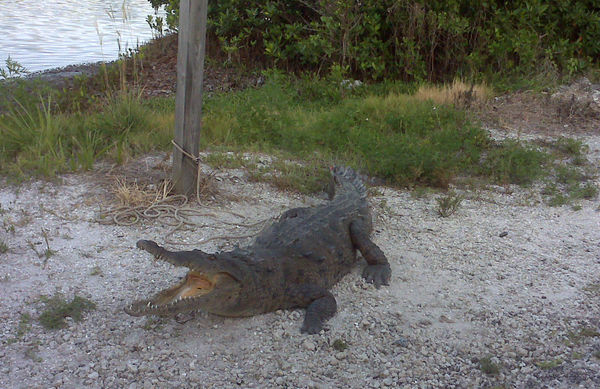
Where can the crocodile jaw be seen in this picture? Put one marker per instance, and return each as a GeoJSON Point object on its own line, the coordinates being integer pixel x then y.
{"type": "Point", "coordinates": [188, 295]}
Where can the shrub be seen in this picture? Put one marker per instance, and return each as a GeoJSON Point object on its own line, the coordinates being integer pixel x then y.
{"type": "Point", "coordinates": [434, 40]}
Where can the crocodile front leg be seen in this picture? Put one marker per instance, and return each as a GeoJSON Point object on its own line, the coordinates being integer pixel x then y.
{"type": "Point", "coordinates": [319, 302]}
{"type": "Point", "coordinates": [378, 270]}
{"type": "Point", "coordinates": [177, 258]}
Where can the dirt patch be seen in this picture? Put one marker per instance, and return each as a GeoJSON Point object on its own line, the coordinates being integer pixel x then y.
{"type": "Point", "coordinates": [573, 110]}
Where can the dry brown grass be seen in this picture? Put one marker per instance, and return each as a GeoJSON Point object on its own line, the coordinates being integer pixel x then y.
{"type": "Point", "coordinates": [458, 93]}
{"type": "Point", "coordinates": [133, 195]}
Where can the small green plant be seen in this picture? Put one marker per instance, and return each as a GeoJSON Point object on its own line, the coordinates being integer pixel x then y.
{"type": "Point", "coordinates": [32, 352]}
{"type": "Point", "coordinates": [48, 252]}
{"type": "Point", "coordinates": [579, 335]}
{"type": "Point", "coordinates": [310, 177]}
{"type": "Point", "coordinates": [220, 160]}
{"type": "Point", "coordinates": [57, 309]}
{"type": "Point", "coordinates": [3, 247]}
{"type": "Point", "coordinates": [339, 345]}
{"type": "Point", "coordinates": [23, 327]}
{"type": "Point", "coordinates": [153, 323]}
{"type": "Point", "coordinates": [449, 203]}
{"type": "Point", "coordinates": [549, 364]}
{"type": "Point", "coordinates": [12, 69]}
{"type": "Point", "coordinates": [558, 200]}
{"type": "Point", "coordinates": [96, 271]}
{"type": "Point", "coordinates": [570, 147]}
{"type": "Point", "coordinates": [587, 191]}
{"type": "Point", "coordinates": [487, 366]}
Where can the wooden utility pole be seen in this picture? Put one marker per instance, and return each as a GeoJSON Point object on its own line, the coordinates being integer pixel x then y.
{"type": "Point", "coordinates": [188, 100]}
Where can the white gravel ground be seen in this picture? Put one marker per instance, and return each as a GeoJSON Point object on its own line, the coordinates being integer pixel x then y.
{"type": "Point", "coordinates": [506, 277]}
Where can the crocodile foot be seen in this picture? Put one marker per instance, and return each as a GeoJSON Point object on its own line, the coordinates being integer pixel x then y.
{"type": "Point", "coordinates": [312, 325]}
{"type": "Point", "coordinates": [377, 274]}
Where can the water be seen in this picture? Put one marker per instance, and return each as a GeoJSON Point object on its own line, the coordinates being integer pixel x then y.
{"type": "Point", "coordinates": [44, 34]}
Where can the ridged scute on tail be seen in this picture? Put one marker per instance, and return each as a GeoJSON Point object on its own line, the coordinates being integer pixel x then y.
{"type": "Point", "coordinates": [347, 181]}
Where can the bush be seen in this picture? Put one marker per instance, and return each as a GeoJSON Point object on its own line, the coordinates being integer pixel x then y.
{"type": "Point", "coordinates": [434, 40]}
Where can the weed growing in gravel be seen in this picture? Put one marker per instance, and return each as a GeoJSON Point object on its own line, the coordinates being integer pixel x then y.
{"type": "Point", "coordinates": [593, 288]}
{"type": "Point", "coordinates": [339, 345]}
{"type": "Point", "coordinates": [487, 366]}
{"type": "Point", "coordinates": [571, 184]}
{"type": "Point", "coordinates": [306, 178]}
{"type": "Point", "coordinates": [3, 247]}
{"type": "Point", "coordinates": [23, 327]}
{"type": "Point", "coordinates": [96, 271]}
{"type": "Point", "coordinates": [546, 365]}
{"type": "Point", "coordinates": [57, 309]}
{"type": "Point", "coordinates": [449, 203]}
{"type": "Point", "coordinates": [512, 162]}
{"type": "Point", "coordinates": [220, 160]}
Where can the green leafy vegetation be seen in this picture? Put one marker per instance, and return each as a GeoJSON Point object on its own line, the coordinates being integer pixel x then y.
{"type": "Point", "coordinates": [57, 309]}
{"type": "Point", "coordinates": [308, 124]}
{"type": "Point", "coordinates": [449, 203]}
{"type": "Point", "coordinates": [488, 366]}
{"type": "Point", "coordinates": [434, 40]}
{"type": "Point", "coordinates": [512, 162]}
{"type": "Point", "coordinates": [395, 136]}
{"type": "Point", "coordinates": [11, 69]}
{"type": "Point", "coordinates": [3, 247]}
{"type": "Point", "coordinates": [36, 139]}
{"type": "Point", "coordinates": [339, 345]}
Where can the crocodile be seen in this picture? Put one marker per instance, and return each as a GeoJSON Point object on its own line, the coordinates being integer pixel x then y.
{"type": "Point", "coordinates": [291, 263]}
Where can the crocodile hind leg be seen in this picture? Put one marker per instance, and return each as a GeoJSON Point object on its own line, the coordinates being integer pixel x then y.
{"type": "Point", "coordinates": [378, 270]}
{"type": "Point", "coordinates": [319, 302]}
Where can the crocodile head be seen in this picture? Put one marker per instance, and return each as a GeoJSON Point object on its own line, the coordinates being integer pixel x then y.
{"type": "Point", "coordinates": [213, 284]}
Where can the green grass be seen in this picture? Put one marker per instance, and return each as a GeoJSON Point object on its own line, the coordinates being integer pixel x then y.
{"type": "Point", "coordinates": [512, 162]}
{"type": "Point", "coordinates": [57, 309]}
{"type": "Point", "coordinates": [22, 329]}
{"type": "Point", "coordinates": [449, 203]}
{"type": "Point", "coordinates": [550, 364]}
{"type": "Point", "coordinates": [488, 367]}
{"type": "Point", "coordinates": [395, 136]}
{"type": "Point", "coordinates": [3, 247]}
{"type": "Point", "coordinates": [380, 129]}
{"type": "Point", "coordinates": [37, 140]}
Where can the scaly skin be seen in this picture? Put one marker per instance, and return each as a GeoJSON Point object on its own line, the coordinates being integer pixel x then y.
{"type": "Point", "coordinates": [291, 263]}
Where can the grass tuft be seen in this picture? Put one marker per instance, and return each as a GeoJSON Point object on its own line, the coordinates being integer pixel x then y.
{"type": "Point", "coordinates": [458, 93]}
{"type": "Point", "coordinates": [511, 162]}
{"type": "Point", "coordinates": [57, 309]}
{"type": "Point", "coordinates": [449, 203]}
{"type": "Point", "coordinates": [35, 138]}
{"type": "Point", "coordinates": [550, 364]}
{"type": "Point", "coordinates": [487, 366]}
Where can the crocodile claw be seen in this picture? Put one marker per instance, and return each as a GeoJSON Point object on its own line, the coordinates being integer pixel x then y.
{"type": "Point", "coordinates": [377, 274]}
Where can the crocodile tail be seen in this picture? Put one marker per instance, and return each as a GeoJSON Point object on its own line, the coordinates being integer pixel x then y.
{"type": "Point", "coordinates": [347, 181]}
